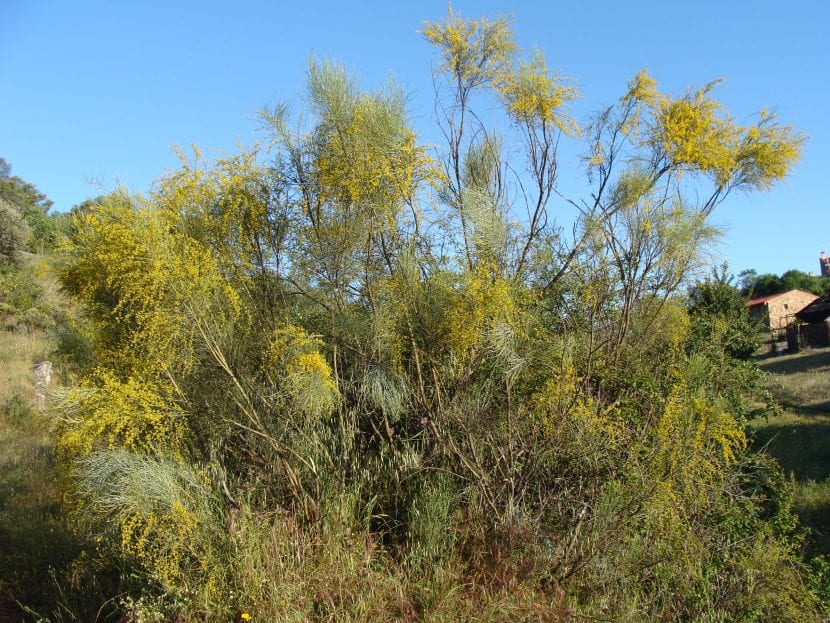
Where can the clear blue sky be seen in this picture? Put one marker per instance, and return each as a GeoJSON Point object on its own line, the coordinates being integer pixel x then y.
{"type": "Point", "coordinates": [94, 93]}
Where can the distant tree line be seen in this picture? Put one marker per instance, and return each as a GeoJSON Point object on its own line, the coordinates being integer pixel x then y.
{"type": "Point", "coordinates": [25, 221]}
{"type": "Point", "coordinates": [755, 285]}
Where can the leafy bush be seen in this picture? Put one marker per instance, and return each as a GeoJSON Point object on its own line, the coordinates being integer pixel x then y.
{"type": "Point", "coordinates": [71, 344]}
{"type": "Point", "coordinates": [14, 233]}
{"type": "Point", "coordinates": [720, 317]}
{"type": "Point", "coordinates": [19, 289]}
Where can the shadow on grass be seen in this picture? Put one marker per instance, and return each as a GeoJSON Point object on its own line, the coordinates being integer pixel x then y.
{"type": "Point", "coordinates": [813, 508]}
{"type": "Point", "coordinates": [792, 365]}
{"type": "Point", "coordinates": [802, 449]}
{"type": "Point", "coordinates": [819, 406]}
{"type": "Point", "coordinates": [34, 540]}
{"type": "Point", "coordinates": [39, 551]}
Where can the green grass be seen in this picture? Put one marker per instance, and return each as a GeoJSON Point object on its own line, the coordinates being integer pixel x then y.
{"type": "Point", "coordinates": [33, 536]}
{"type": "Point", "coordinates": [801, 380]}
{"type": "Point", "coordinates": [38, 548]}
{"type": "Point", "coordinates": [799, 437]}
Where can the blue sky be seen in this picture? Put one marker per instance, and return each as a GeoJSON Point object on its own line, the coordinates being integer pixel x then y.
{"type": "Point", "coordinates": [95, 93]}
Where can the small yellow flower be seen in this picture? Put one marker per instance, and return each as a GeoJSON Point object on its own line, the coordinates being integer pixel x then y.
{"type": "Point", "coordinates": [245, 616]}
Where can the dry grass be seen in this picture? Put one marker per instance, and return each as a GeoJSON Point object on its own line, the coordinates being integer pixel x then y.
{"type": "Point", "coordinates": [813, 507]}
{"type": "Point", "coordinates": [18, 352]}
{"type": "Point", "coordinates": [29, 501]}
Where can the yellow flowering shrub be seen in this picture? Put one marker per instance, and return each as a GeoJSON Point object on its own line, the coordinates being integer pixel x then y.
{"type": "Point", "coordinates": [767, 152]}
{"type": "Point", "coordinates": [696, 441]}
{"type": "Point", "coordinates": [105, 412]}
{"type": "Point", "coordinates": [358, 167]}
{"type": "Point", "coordinates": [144, 285]}
{"type": "Point", "coordinates": [532, 95]}
{"type": "Point", "coordinates": [163, 514]}
{"type": "Point", "coordinates": [472, 50]}
{"type": "Point", "coordinates": [695, 131]}
{"type": "Point", "coordinates": [568, 414]}
{"type": "Point", "coordinates": [659, 329]}
{"type": "Point", "coordinates": [172, 546]}
{"type": "Point", "coordinates": [537, 434]}
{"type": "Point", "coordinates": [156, 544]}
{"type": "Point", "coordinates": [223, 205]}
{"type": "Point", "coordinates": [480, 302]}
{"type": "Point", "coordinates": [295, 365]}
{"type": "Point", "coordinates": [369, 160]}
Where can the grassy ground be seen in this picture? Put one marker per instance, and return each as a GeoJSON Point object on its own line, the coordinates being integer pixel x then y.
{"type": "Point", "coordinates": [33, 536]}
{"type": "Point", "coordinates": [38, 548]}
{"type": "Point", "coordinates": [799, 437]}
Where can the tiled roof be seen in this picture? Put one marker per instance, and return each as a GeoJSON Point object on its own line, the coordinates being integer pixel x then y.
{"type": "Point", "coordinates": [764, 299]}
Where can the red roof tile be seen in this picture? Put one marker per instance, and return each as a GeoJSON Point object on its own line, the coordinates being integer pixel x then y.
{"type": "Point", "coordinates": [764, 299]}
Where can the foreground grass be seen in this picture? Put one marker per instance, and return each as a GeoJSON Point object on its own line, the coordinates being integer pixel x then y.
{"type": "Point", "coordinates": [799, 436]}
{"type": "Point", "coordinates": [34, 540]}
{"type": "Point", "coordinates": [40, 575]}
{"type": "Point", "coordinates": [801, 380]}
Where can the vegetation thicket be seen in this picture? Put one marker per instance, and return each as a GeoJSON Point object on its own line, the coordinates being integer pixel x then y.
{"type": "Point", "coordinates": [354, 378]}
{"type": "Point", "coordinates": [14, 233]}
{"type": "Point", "coordinates": [22, 201]}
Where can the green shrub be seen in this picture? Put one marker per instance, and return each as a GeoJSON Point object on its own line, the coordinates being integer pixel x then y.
{"type": "Point", "coordinates": [14, 233]}
{"type": "Point", "coordinates": [34, 319]}
{"type": "Point", "coordinates": [19, 289]}
{"type": "Point", "coordinates": [71, 345]}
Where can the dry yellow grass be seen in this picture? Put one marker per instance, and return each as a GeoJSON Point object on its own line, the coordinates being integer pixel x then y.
{"type": "Point", "coordinates": [18, 353]}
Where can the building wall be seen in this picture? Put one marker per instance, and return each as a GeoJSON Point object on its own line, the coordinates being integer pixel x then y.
{"type": "Point", "coordinates": [760, 314]}
{"type": "Point", "coordinates": [782, 309]}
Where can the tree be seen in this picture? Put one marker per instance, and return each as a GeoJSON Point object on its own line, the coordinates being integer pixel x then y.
{"type": "Point", "coordinates": [14, 233]}
{"type": "Point", "coordinates": [719, 315]}
{"type": "Point", "coordinates": [756, 285]}
{"type": "Point", "coordinates": [798, 280]}
{"type": "Point", "coordinates": [32, 204]}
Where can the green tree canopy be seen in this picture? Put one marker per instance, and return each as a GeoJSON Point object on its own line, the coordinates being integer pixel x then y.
{"type": "Point", "coordinates": [14, 232]}
{"type": "Point", "coordinates": [755, 285]}
{"type": "Point", "coordinates": [33, 205]}
{"type": "Point", "coordinates": [719, 314]}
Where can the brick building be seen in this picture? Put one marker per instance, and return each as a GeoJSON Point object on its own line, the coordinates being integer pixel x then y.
{"type": "Point", "coordinates": [777, 311]}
